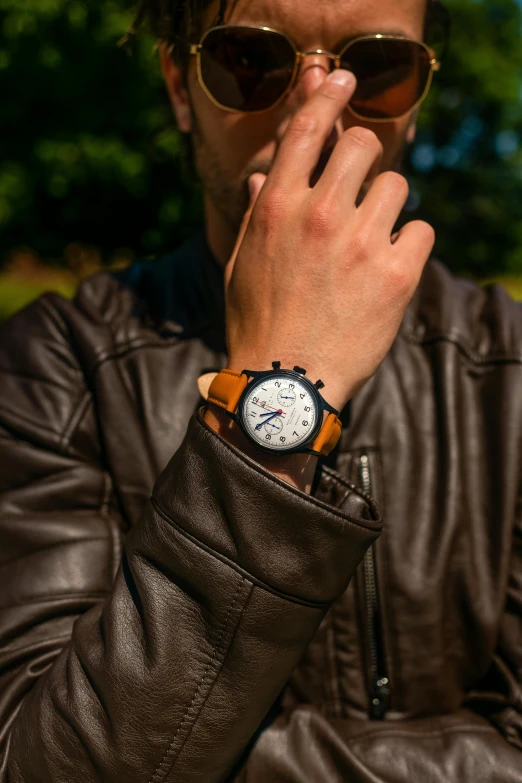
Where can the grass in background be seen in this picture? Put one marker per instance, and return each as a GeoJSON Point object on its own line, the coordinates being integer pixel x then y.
{"type": "Point", "coordinates": [26, 276]}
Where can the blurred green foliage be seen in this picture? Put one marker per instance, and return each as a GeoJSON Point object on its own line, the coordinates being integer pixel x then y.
{"type": "Point", "coordinates": [466, 167]}
{"type": "Point", "coordinates": [89, 153]}
{"type": "Point", "coordinates": [16, 294]}
{"type": "Point", "coordinates": [88, 150]}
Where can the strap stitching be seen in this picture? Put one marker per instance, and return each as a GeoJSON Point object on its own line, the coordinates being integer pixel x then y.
{"type": "Point", "coordinates": [215, 401]}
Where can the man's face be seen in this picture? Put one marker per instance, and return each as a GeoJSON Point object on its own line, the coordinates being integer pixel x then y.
{"type": "Point", "coordinates": [230, 147]}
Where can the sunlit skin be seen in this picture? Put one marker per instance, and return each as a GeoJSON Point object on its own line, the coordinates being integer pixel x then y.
{"type": "Point", "coordinates": [319, 227]}
{"type": "Point", "coordinates": [230, 147]}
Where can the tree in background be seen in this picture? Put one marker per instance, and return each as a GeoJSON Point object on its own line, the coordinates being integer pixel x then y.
{"type": "Point", "coordinates": [465, 169]}
{"type": "Point", "coordinates": [89, 153]}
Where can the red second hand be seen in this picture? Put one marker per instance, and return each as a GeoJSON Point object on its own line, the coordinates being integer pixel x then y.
{"type": "Point", "coordinates": [280, 412]}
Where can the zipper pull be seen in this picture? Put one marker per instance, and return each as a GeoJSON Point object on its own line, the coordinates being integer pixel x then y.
{"type": "Point", "coordinates": [379, 698]}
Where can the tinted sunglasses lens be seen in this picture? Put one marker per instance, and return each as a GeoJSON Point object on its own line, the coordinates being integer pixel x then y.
{"type": "Point", "coordinates": [246, 69]}
{"type": "Point", "coordinates": [392, 76]}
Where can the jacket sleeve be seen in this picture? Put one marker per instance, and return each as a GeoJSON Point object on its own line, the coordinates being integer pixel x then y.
{"type": "Point", "coordinates": [481, 742]}
{"type": "Point", "coordinates": [159, 662]}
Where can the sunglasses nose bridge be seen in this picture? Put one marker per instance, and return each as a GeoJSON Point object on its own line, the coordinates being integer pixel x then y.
{"type": "Point", "coordinates": [322, 52]}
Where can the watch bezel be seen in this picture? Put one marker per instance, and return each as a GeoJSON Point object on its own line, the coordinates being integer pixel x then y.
{"type": "Point", "coordinates": [304, 447]}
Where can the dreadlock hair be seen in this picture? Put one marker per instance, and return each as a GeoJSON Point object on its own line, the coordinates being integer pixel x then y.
{"type": "Point", "coordinates": [175, 22]}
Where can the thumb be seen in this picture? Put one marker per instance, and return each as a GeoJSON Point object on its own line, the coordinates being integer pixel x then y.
{"type": "Point", "coordinates": [255, 184]}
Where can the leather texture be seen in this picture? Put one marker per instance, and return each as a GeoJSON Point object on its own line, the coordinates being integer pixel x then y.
{"type": "Point", "coordinates": [329, 435]}
{"type": "Point", "coordinates": [170, 611]}
{"type": "Point", "coordinates": [227, 387]}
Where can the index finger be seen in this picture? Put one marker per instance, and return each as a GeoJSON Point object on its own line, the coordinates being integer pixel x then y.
{"type": "Point", "coordinates": [308, 131]}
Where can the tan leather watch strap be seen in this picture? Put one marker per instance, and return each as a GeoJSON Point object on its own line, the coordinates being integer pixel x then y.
{"type": "Point", "coordinates": [226, 389]}
{"type": "Point", "coordinates": [228, 386]}
{"type": "Point", "coordinates": [329, 435]}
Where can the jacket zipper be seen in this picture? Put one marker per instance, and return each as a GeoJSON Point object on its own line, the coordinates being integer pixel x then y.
{"type": "Point", "coordinates": [379, 695]}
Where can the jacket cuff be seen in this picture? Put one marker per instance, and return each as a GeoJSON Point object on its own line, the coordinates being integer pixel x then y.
{"type": "Point", "coordinates": [281, 538]}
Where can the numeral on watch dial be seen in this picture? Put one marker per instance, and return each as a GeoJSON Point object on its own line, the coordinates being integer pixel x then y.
{"type": "Point", "coordinates": [281, 414]}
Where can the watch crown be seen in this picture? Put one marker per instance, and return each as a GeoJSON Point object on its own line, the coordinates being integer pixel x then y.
{"type": "Point", "coordinates": [300, 370]}
{"type": "Point", "coordinates": [276, 365]}
{"type": "Point", "coordinates": [319, 385]}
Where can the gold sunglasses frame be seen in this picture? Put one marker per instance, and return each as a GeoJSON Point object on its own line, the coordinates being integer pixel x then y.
{"type": "Point", "coordinates": [195, 50]}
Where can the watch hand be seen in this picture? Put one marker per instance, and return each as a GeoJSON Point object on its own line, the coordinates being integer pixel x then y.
{"type": "Point", "coordinates": [272, 416]}
{"type": "Point", "coordinates": [268, 406]}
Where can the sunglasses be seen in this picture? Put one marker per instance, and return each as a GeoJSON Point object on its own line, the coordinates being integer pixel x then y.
{"type": "Point", "coordinates": [251, 69]}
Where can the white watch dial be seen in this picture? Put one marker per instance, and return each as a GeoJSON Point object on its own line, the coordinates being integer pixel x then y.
{"type": "Point", "coordinates": [280, 412]}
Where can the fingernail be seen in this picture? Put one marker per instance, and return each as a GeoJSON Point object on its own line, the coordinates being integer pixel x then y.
{"type": "Point", "coordinates": [339, 76]}
{"type": "Point", "coordinates": [252, 187]}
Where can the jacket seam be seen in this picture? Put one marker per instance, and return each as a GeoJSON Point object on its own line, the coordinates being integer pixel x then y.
{"type": "Point", "coordinates": [423, 734]}
{"type": "Point", "coordinates": [332, 650]}
{"type": "Point", "coordinates": [474, 356]}
{"type": "Point", "coordinates": [55, 598]}
{"type": "Point", "coordinates": [120, 350]}
{"type": "Point", "coordinates": [61, 436]}
{"type": "Point", "coordinates": [76, 419]}
{"type": "Point", "coordinates": [80, 409]}
{"type": "Point", "coordinates": [58, 434]}
{"type": "Point", "coordinates": [235, 567]}
{"type": "Point", "coordinates": [58, 544]}
{"type": "Point", "coordinates": [34, 378]}
{"type": "Point", "coordinates": [39, 645]}
{"type": "Point", "coordinates": [115, 535]}
{"type": "Point", "coordinates": [219, 655]}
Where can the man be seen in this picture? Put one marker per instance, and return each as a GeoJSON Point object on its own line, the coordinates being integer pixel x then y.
{"type": "Point", "coordinates": [223, 629]}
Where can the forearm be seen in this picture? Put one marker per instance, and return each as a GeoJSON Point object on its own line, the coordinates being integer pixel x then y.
{"type": "Point", "coordinates": [222, 586]}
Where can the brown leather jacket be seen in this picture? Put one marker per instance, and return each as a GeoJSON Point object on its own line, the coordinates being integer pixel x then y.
{"type": "Point", "coordinates": [230, 627]}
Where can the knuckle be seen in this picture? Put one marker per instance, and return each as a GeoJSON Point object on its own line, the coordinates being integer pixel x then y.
{"type": "Point", "coordinates": [399, 280]}
{"type": "Point", "coordinates": [395, 183]}
{"type": "Point", "coordinates": [271, 209]}
{"type": "Point", "coordinates": [418, 237]}
{"type": "Point", "coordinates": [319, 219]}
{"type": "Point", "coordinates": [304, 124]}
{"type": "Point", "coordinates": [426, 232]}
{"type": "Point", "coordinates": [360, 245]}
{"type": "Point", "coordinates": [364, 138]}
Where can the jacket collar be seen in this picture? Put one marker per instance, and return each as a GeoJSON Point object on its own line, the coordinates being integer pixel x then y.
{"type": "Point", "coordinates": [184, 293]}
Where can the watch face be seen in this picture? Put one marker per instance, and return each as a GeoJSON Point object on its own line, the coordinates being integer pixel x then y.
{"type": "Point", "coordinates": [280, 412]}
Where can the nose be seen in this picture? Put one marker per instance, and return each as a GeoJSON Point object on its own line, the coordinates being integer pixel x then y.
{"type": "Point", "coordinates": [313, 71]}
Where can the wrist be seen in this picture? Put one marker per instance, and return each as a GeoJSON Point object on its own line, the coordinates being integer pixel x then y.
{"type": "Point", "coordinates": [334, 391]}
{"type": "Point", "coordinates": [296, 469]}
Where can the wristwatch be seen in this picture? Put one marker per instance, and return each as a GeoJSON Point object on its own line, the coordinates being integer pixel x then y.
{"type": "Point", "coordinates": [280, 411]}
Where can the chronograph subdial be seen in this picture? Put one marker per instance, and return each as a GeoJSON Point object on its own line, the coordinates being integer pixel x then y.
{"type": "Point", "coordinates": [274, 426]}
{"type": "Point", "coordinates": [286, 397]}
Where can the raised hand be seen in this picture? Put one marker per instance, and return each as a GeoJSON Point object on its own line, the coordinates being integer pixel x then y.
{"type": "Point", "coordinates": [336, 284]}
